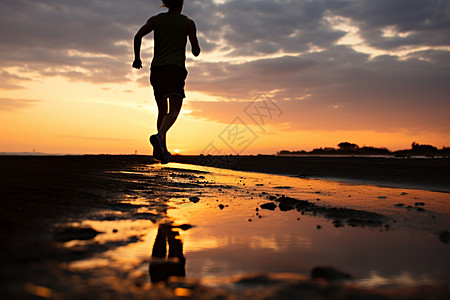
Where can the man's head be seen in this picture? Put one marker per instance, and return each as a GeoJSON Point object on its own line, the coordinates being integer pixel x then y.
{"type": "Point", "coordinates": [172, 4]}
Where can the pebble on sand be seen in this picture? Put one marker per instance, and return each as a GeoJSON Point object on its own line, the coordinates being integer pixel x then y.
{"type": "Point", "coordinates": [194, 199]}
{"type": "Point", "coordinates": [269, 206]}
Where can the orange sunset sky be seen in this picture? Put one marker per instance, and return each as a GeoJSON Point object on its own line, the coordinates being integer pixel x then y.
{"type": "Point", "coordinates": [272, 75]}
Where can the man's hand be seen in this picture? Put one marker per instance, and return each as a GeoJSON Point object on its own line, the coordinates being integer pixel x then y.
{"type": "Point", "coordinates": [137, 64]}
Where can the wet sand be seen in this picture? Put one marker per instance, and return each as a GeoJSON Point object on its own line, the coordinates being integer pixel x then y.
{"type": "Point", "coordinates": [79, 226]}
{"type": "Point", "coordinates": [421, 173]}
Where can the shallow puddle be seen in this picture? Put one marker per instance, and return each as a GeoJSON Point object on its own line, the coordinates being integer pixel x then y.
{"type": "Point", "coordinates": [232, 235]}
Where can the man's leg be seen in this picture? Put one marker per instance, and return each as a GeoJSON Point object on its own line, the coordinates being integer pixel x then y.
{"type": "Point", "coordinates": [175, 103]}
{"type": "Point", "coordinates": [162, 111]}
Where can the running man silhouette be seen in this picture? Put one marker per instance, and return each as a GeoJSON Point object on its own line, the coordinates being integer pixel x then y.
{"type": "Point", "coordinates": [168, 71]}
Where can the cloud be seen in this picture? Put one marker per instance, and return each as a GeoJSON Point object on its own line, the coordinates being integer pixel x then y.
{"type": "Point", "coordinates": [13, 105]}
{"type": "Point", "coordinates": [338, 71]}
{"type": "Point", "coordinates": [81, 40]}
{"type": "Point", "coordinates": [411, 22]}
{"type": "Point", "coordinates": [10, 81]}
{"type": "Point", "coordinates": [337, 89]}
{"type": "Point", "coordinates": [93, 39]}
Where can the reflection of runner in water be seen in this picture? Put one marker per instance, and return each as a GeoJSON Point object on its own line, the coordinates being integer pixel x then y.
{"type": "Point", "coordinates": [168, 71]}
{"type": "Point", "coordinates": [162, 267]}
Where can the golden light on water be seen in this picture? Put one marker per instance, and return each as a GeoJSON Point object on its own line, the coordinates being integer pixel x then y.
{"type": "Point", "coordinates": [230, 234]}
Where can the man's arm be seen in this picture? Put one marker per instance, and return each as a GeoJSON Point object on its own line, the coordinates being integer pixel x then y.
{"type": "Point", "coordinates": [192, 33]}
{"type": "Point", "coordinates": [146, 29]}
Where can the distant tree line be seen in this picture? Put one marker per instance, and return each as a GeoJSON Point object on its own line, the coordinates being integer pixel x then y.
{"type": "Point", "coordinates": [346, 148]}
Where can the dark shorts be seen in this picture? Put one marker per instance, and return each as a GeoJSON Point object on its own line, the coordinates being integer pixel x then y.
{"type": "Point", "coordinates": [167, 80]}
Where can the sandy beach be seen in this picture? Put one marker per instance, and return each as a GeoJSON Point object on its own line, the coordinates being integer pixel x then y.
{"type": "Point", "coordinates": [116, 227]}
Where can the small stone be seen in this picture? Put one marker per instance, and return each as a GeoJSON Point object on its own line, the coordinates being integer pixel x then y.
{"type": "Point", "coordinates": [269, 206]}
{"type": "Point", "coordinates": [319, 227]}
{"type": "Point", "coordinates": [221, 206]}
{"type": "Point", "coordinates": [194, 199]}
{"type": "Point", "coordinates": [419, 204]}
{"type": "Point", "coordinates": [115, 230]}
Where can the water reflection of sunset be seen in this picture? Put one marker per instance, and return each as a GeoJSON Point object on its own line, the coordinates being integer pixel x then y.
{"type": "Point", "coordinates": [220, 230]}
{"type": "Point", "coordinates": [235, 240]}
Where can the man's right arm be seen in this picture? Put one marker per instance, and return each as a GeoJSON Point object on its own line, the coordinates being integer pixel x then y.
{"type": "Point", "coordinates": [192, 33]}
{"type": "Point", "coordinates": [146, 29]}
